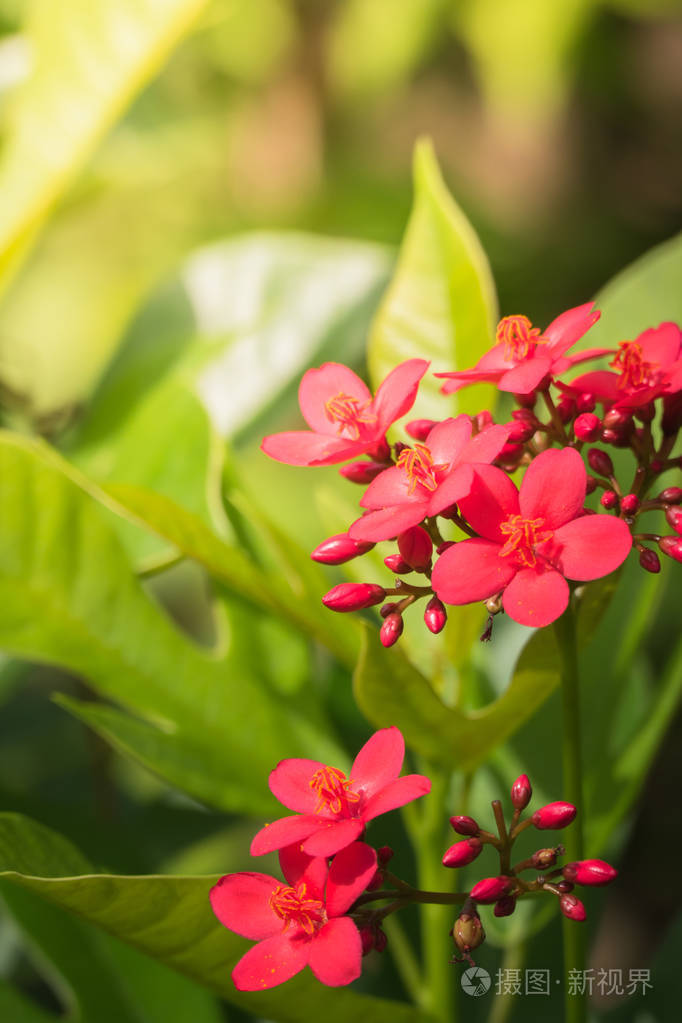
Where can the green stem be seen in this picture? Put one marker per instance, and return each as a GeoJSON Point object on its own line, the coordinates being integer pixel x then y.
{"type": "Point", "coordinates": [574, 944]}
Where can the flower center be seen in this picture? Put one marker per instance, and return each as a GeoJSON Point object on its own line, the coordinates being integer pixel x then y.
{"type": "Point", "coordinates": [348, 413]}
{"type": "Point", "coordinates": [293, 906]}
{"type": "Point", "coordinates": [333, 790]}
{"type": "Point", "coordinates": [419, 467]}
{"type": "Point", "coordinates": [519, 337]}
{"type": "Point", "coordinates": [524, 535]}
{"type": "Point", "coordinates": [634, 371]}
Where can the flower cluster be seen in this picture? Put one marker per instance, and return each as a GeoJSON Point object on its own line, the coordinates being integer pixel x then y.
{"type": "Point", "coordinates": [447, 499]}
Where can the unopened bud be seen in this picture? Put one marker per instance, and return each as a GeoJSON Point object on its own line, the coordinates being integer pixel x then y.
{"type": "Point", "coordinates": [461, 853]}
{"type": "Point", "coordinates": [468, 932]}
{"type": "Point", "coordinates": [505, 906]}
{"type": "Point", "coordinates": [464, 825]}
{"type": "Point", "coordinates": [384, 855]}
{"type": "Point", "coordinates": [380, 939]}
{"type": "Point", "coordinates": [435, 616]}
{"type": "Point", "coordinates": [362, 472]}
{"type": "Point", "coordinates": [650, 561]}
{"type": "Point", "coordinates": [554, 815]}
{"type": "Point", "coordinates": [420, 428]}
{"type": "Point", "coordinates": [671, 495]}
{"type": "Point", "coordinates": [671, 420]}
{"type": "Point", "coordinates": [493, 605]}
{"type": "Point", "coordinates": [564, 887]}
{"type": "Point", "coordinates": [490, 889]}
{"type": "Point", "coordinates": [645, 413]}
{"type": "Point", "coordinates": [566, 409]}
{"type": "Point", "coordinates": [585, 402]}
{"type": "Point", "coordinates": [618, 419]}
{"type": "Point", "coordinates": [609, 499]}
{"type": "Point", "coordinates": [444, 546]}
{"type": "Point", "coordinates": [340, 548]}
{"type": "Point", "coordinates": [391, 630]}
{"type": "Point", "coordinates": [617, 438]}
{"type": "Point", "coordinates": [521, 791]}
{"type": "Point", "coordinates": [672, 546]}
{"type": "Point", "coordinates": [387, 609]}
{"type": "Point", "coordinates": [510, 455]}
{"type": "Point", "coordinates": [673, 516]}
{"type": "Point", "coordinates": [353, 596]}
{"type": "Point", "coordinates": [520, 431]}
{"type": "Point", "coordinates": [394, 563]}
{"type": "Point", "coordinates": [587, 427]}
{"type": "Point", "coordinates": [595, 873]}
{"type": "Point", "coordinates": [416, 547]}
{"type": "Point", "coordinates": [572, 907]}
{"type": "Point", "coordinates": [544, 858]}
{"type": "Point", "coordinates": [630, 504]}
{"type": "Point", "coordinates": [590, 485]}
{"type": "Point", "coordinates": [599, 462]}
{"type": "Point", "coordinates": [367, 939]}
{"type": "Point", "coordinates": [482, 420]}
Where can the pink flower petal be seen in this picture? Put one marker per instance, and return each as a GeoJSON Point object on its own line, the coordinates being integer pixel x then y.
{"type": "Point", "coordinates": [285, 831]}
{"type": "Point", "coordinates": [464, 378]}
{"type": "Point", "coordinates": [298, 866]}
{"type": "Point", "coordinates": [332, 836]}
{"type": "Point", "coordinates": [588, 353]}
{"type": "Point", "coordinates": [379, 761]}
{"type": "Point", "coordinates": [602, 384]}
{"type": "Point", "coordinates": [494, 359]}
{"type": "Point", "coordinates": [390, 487]}
{"type": "Point", "coordinates": [471, 570]}
{"type": "Point", "coordinates": [271, 962]}
{"type": "Point", "coordinates": [397, 793]}
{"type": "Point", "coordinates": [553, 488]}
{"type": "Point", "coordinates": [453, 488]}
{"type": "Point", "coordinates": [319, 385]}
{"type": "Point", "coordinates": [290, 784]}
{"type": "Point", "coordinates": [447, 439]}
{"type": "Point", "coordinates": [396, 395]}
{"type": "Point", "coordinates": [492, 499]}
{"type": "Point", "coordinates": [486, 445]}
{"type": "Point", "coordinates": [336, 953]}
{"type": "Point", "coordinates": [536, 596]}
{"type": "Point", "coordinates": [299, 447]}
{"type": "Point", "coordinates": [350, 873]}
{"type": "Point", "coordinates": [525, 377]}
{"type": "Point", "coordinates": [242, 903]}
{"type": "Point", "coordinates": [569, 327]}
{"type": "Point", "coordinates": [388, 522]}
{"type": "Point", "coordinates": [660, 345]}
{"type": "Point", "coordinates": [593, 546]}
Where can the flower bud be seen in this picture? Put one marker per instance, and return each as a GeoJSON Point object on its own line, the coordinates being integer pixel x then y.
{"type": "Point", "coordinates": [380, 939]}
{"type": "Point", "coordinates": [391, 630]}
{"type": "Point", "coordinates": [544, 858]}
{"type": "Point", "coordinates": [564, 887]}
{"type": "Point", "coordinates": [468, 932]}
{"type": "Point", "coordinates": [416, 547]}
{"type": "Point", "coordinates": [609, 499]}
{"type": "Point", "coordinates": [618, 419]}
{"type": "Point", "coordinates": [673, 516]}
{"type": "Point", "coordinates": [572, 907]}
{"type": "Point", "coordinates": [554, 815]}
{"type": "Point", "coordinates": [629, 504]}
{"type": "Point", "coordinates": [649, 560]}
{"type": "Point", "coordinates": [505, 906]}
{"type": "Point", "coordinates": [617, 438]}
{"type": "Point", "coordinates": [599, 462]}
{"type": "Point", "coordinates": [394, 563]}
{"type": "Point", "coordinates": [420, 428]}
{"type": "Point", "coordinates": [387, 609]}
{"type": "Point", "coordinates": [435, 616]}
{"type": "Point", "coordinates": [520, 431]}
{"type": "Point", "coordinates": [595, 873]}
{"type": "Point", "coordinates": [671, 420]}
{"type": "Point", "coordinates": [590, 485]}
{"type": "Point", "coordinates": [510, 456]}
{"type": "Point", "coordinates": [367, 940]}
{"type": "Point", "coordinates": [587, 427]}
{"type": "Point", "coordinates": [384, 855]}
{"type": "Point", "coordinates": [444, 546]}
{"type": "Point", "coordinates": [585, 402]}
{"type": "Point", "coordinates": [340, 548]}
{"type": "Point", "coordinates": [521, 791]}
{"type": "Point", "coordinates": [482, 420]}
{"type": "Point", "coordinates": [645, 413]}
{"type": "Point", "coordinates": [362, 472]}
{"type": "Point", "coordinates": [353, 596]}
{"type": "Point", "coordinates": [526, 400]}
{"type": "Point", "coordinates": [671, 495]}
{"type": "Point", "coordinates": [464, 825]}
{"type": "Point", "coordinates": [461, 853]}
{"type": "Point", "coordinates": [566, 409]}
{"type": "Point", "coordinates": [672, 546]}
{"type": "Point", "coordinates": [490, 889]}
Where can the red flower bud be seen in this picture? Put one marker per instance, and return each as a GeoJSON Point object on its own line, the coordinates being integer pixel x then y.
{"type": "Point", "coordinates": [353, 596]}
{"type": "Point", "coordinates": [510, 455]}
{"type": "Point", "coordinates": [673, 516]}
{"type": "Point", "coordinates": [521, 791]}
{"type": "Point", "coordinates": [505, 906]}
{"type": "Point", "coordinates": [367, 939]}
{"type": "Point", "coordinates": [483, 419]}
{"type": "Point", "coordinates": [461, 853]}
{"type": "Point", "coordinates": [564, 886]}
{"type": "Point", "coordinates": [490, 889]}
{"type": "Point", "coordinates": [566, 409]}
{"type": "Point", "coordinates": [649, 560]}
{"type": "Point", "coordinates": [394, 563]}
{"type": "Point", "coordinates": [618, 419]}
{"type": "Point", "coordinates": [587, 427]}
{"type": "Point", "coordinates": [468, 932]}
{"type": "Point", "coordinates": [362, 472]}
{"type": "Point", "coordinates": [585, 402]}
{"type": "Point", "coordinates": [671, 495]}
{"type": "Point", "coordinates": [618, 438]}
{"type": "Point", "coordinates": [600, 462]}
{"type": "Point", "coordinates": [444, 546]}
{"type": "Point", "coordinates": [520, 432]}
{"type": "Point", "coordinates": [672, 546]}
{"type": "Point", "coordinates": [435, 615]}
{"type": "Point", "coordinates": [572, 907]}
{"type": "Point", "coordinates": [630, 504]}
{"type": "Point", "coordinates": [391, 630]}
{"type": "Point", "coordinates": [554, 815]}
{"type": "Point", "coordinates": [609, 499]}
{"type": "Point", "coordinates": [464, 825]}
{"type": "Point", "coordinates": [645, 413]}
{"type": "Point", "coordinates": [384, 855]}
{"type": "Point", "coordinates": [420, 428]}
{"type": "Point", "coordinates": [380, 940]}
{"type": "Point", "coordinates": [416, 547]}
{"type": "Point", "coordinates": [340, 548]}
{"type": "Point", "coordinates": [387, 609]}
{"type": "Point", "coordinates": [544, 858]}
{"type": "Point", "coordinates": [671, 420]}
{"type": "Point", "coordinates": [590, 872]}
{"type": "Point", "coordinates": [591, 485]}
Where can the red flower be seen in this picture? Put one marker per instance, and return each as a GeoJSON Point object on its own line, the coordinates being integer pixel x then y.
{"type": "Point", "coordinates": [298, 924]}
{"type": "Point", "coordinates": [344, 419]}
{"type": "Point", "coordinates": [427, 479]}
{"type": "Point", "coordinates": [531, 541]}
{"type": "Point", "coordinates": [332, 810]}
{"type": "Point", "coordinates": [523, 356]}
{"type": "Point", "coordinates": [645, 369]}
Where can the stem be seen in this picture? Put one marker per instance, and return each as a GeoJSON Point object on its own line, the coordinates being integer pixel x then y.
{"type": "Point", "coordinates": [574, 945]}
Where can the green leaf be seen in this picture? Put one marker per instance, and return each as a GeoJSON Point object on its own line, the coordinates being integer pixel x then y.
{"type": "Point", "coordinates": [170, 918]}
{"type": "Point", "coordinates": [16, 1007]}
{"type": "Point", "coordinates": [90, 58]}
{"type": "Point", "coordinates": [441, 302]}
{"type": "Point", "coordinates": [390, 690]}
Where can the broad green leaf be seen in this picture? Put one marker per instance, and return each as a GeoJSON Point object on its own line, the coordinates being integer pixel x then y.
{"type": "Point", "coordinates": [390, 690]}
{"type": "Point", "coordinates": [170, 918]}
{"type": "Point", "coordinates": [16, 1007]}
{"type": "Point", "coordinates": [90, 58]}
{"type": "Point", "coordinates": [440, 304]}
{"type": "Point", "coordinates": [71, 600]}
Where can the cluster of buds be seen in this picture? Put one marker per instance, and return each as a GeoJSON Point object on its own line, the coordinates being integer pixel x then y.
{"type": "Point", "coordinates": [445, 498]}
{"type": "Point", "coordinates": [505, 888]}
